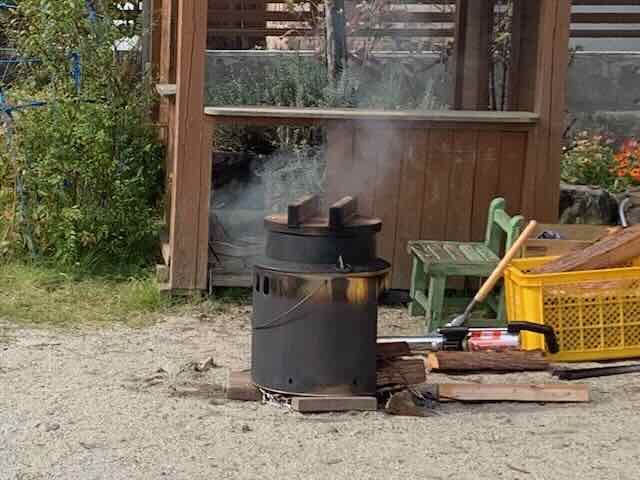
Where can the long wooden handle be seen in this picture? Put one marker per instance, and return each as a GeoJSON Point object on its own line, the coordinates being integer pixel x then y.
{"type": "Point", "coordinates": [490, 282]}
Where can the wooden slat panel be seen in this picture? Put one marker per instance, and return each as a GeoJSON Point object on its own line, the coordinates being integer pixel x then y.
{"type": "Point", "coordinates": [340, 159]}
{"type": "Point", "coordinates": [389, 144]}
{"type": "Point", "coordinates": [461, 183]}
{"type": "Point", "coordinates": [365, 167]}
{"type": "Point", "coordinates": [436, 187]}
{"type": "Point", "coordinates": [485, 181]}
{"type": "Point", "coordinates": [410, 205]}
{"type": "Point", "coordinates": [455, 253]}
{"type": "Point", "coordinates": [438, 252]}
{"type": "Point", "coordinates": [512, 158]}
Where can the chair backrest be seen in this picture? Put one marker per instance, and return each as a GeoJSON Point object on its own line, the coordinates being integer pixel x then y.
{"type": "Point", "coordinates": [502, 230]}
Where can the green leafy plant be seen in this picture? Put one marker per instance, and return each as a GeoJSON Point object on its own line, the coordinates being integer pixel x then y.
{"type": "Point", "coordinates": [590, 161]}
{"type": "Point", "coordinates": [81, 176]}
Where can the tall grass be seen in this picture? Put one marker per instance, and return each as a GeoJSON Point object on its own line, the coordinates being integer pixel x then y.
{"type": "Point", "coordinates": [36, 294]}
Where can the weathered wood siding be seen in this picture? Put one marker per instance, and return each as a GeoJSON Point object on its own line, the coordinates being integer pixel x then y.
{"type": "Point", "coordinates": [430, 182]}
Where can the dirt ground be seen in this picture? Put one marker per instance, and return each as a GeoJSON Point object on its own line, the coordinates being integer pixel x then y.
{"type": "Point", "coordinates": [122, 403]}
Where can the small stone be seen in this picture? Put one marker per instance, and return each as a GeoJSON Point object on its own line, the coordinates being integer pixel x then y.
{"type": "Point", "coordinates": [51, 427]}
{"type": "Point", "coordinates": [89, 445]}
{"type": "Point", "coordinates": [334, 461]}
{"type": "Point", "coordinates": [246, 428]}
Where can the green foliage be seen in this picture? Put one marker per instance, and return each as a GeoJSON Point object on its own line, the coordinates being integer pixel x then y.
{"type": "Point", "coordinates": [302, 82]}
{"type": "Point", "coordinates": [590, 161]}
{"type": "Point", "coordinates": [89, 167]}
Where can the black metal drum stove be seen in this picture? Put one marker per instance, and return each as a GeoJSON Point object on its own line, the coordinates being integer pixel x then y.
{"type": "Point", "coordinates": [315, 301]}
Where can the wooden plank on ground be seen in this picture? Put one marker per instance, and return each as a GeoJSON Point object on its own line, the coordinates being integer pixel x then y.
{"type": "Point", "coordinates": [614, 250]}
{"type": "Point", "coordinates": [240, 386]}
{"type": "Point", "coordinates": [482, 392]}
{"type": "Point", "coordinates": [410, 202]}
{"type": "Point", "coordinates": [333, 404]}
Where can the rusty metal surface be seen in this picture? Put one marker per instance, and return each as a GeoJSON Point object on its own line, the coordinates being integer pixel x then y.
{"type": "Point", "coordinates": [315, 335]}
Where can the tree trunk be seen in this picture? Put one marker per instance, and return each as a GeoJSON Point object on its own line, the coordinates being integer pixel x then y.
{"type": "Point", "coordinates": [336, 39]}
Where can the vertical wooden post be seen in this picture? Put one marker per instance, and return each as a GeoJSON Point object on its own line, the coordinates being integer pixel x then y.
{"type": "Point", "coordinates": [474, 24]}
{"type": "Point", "coordinates": [188, 235]}
{"type": "Point", "coordinates": [336, 41]}
{"type": "Point", "coordinates": [542, 54]}
{"type": "Point", "coordinates": [156, 35]}
{"type": "Point", "coordinates": [168, 43]}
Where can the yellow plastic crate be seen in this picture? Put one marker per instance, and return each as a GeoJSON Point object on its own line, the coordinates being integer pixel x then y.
{"type": "Point", "coordinates": [595, 313]}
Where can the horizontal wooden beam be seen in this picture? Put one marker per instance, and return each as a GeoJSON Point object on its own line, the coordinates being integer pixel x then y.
{"type": "Point", "coordinates": [609, 17]}
{"type": "Point", "coordinates": [605, 3]}
{"type": "Point", "coordinates": [167, 89]}
{"type": "Point", "coordinates": [320, 114]}
{"type": "Point", "coordinates": [406, 17]}
{"type": "Point", "coordinates": [400, 32]}
{"type": "Point", "coordinates": [605, 33]}
{"type": "Point", "coordinates": [286, 16]}
{"type": "Point", "coordinates": [300, 32]}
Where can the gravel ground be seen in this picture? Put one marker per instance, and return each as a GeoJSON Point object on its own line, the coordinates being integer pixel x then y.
{"type": "Point", "coordinates": [121, 403]}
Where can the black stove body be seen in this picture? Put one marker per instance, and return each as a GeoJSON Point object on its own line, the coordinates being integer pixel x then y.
{"type": "Point", "coordinates": [315, 302]}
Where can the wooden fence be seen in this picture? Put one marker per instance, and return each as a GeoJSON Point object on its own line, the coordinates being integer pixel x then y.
{"type": "Point", "coordinates": [239, 26]}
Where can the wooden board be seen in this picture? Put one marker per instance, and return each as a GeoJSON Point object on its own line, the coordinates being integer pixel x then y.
{"type": "Point", "coordinates": [191, 158]}
{"type": "Point", "coordinates": [513, 152]}
{"type": "Point", "coordinates": [473, 20]}
{"type": "Point", "coordinates": [461, 181]}
{"type": "Point", "coordinates": [410, 205]}
{"type": "Point", "coordinates": [485, 182]}
{"type": "Point", "coordinates": [612, 251]}
{"type": "Point", "coordinates": [388, 144]}
{"type": "Point", "coordinates": [364, 114]}
{"type": "Point", "coordinates": [240, 386]}
{"type": "Point", "coordinates": [480, 392]}
{"type": "Point", "coordinates": [401, 371]}
{"type": "Point", "coordinates": [333, 404]}
{"type": "Point", "coordinates": [436, 188]}
{"type": "Point", "coordinates": [388, 350]}
{"type": "Point", "coordinates": [486, 361]}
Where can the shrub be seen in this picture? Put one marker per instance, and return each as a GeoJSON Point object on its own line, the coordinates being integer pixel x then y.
{"type": "Point", "coordinates": [80, 177]}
